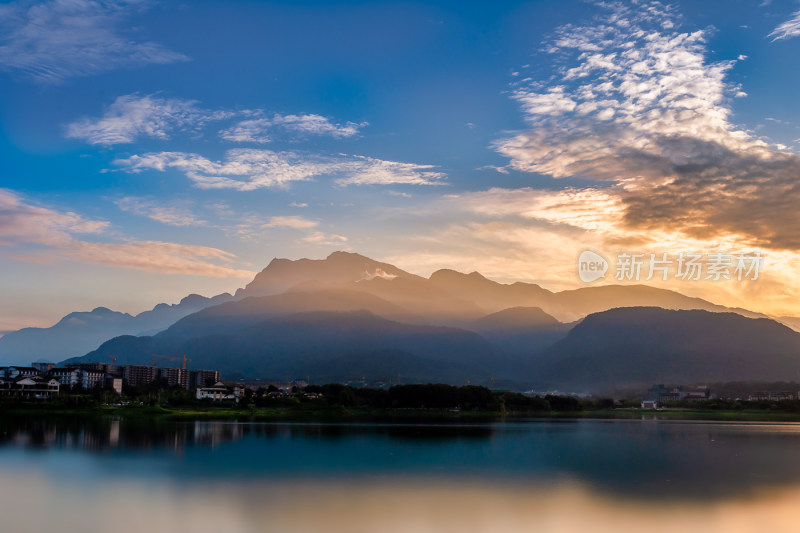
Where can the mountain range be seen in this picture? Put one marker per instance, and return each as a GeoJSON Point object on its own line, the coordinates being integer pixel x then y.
{"type": "Point", "coordinates": [347, 317]}
{"type": "Point", "coordinates": [80, 332]}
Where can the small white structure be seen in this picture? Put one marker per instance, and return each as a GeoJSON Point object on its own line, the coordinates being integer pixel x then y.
{"type": "Point", "coordinates": [217, 392]}
{"type": "Point", "coordinates": [649, 404]}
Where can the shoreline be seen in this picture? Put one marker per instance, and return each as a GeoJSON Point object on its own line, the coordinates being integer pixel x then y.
{"type": "Point", "coordinates": [338, 414]}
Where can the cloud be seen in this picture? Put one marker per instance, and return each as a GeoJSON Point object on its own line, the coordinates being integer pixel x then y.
{"type": "Point", "coordinates": [133, 116]}
{"type": "Point", "coordinates": [166, 214]}
{"type": "Point", "coordinates": [326, 239]}
{"type": "Point", "coordinates": [317, 125]}
{"type": "Point", "coordinates": [788, 29]}
{"type": "Point", "coordinates": [52, 41]}
{"type": "Point", "coordinates": [23, 223]}
{"type": "Point", "coordinates": [254, 130]}
{"type": "Point", "coordinates": [297, 204]}
{"type": "Point", "coordinates": [251, 169]}
{"type": "Point", "coordinates": [40, 234]}
{"type": "Point", "coordinates": [370, 171]}
{"type": "Point", "coordinates": [156, 256]}
{"type": "Point", "coordinates": [638, 109]}
{"type": "Point", "coordinates": [259, 130]}
{"type": "Point", "coordinates": [293, 222]}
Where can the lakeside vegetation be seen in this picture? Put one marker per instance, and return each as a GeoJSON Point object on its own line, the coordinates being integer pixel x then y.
{"type": "Point", "coordinates": [335, 402]}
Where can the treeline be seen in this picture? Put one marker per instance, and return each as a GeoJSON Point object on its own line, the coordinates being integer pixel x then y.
{"type": "Point", "coordinates": [439, 396]}
{"type": "Point", "coordinates": [784, 406]}
{"type": "Point", "coordinates": [418, 397]}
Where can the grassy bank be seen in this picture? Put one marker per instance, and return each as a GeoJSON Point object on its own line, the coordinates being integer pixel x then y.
{"type": "Point", "coordinates": [334, 413]}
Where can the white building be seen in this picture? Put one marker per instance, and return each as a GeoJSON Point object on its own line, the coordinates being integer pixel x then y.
{"type": "Point", "coordinates": [68, 377]}
{"type": "Point", "coordinates": [218, 392]}
{"type": "Point", "coordinates": [30, 387]}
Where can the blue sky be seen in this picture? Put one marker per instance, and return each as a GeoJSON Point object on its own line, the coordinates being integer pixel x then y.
{"type": "Point", "coordinates": [153, 149]}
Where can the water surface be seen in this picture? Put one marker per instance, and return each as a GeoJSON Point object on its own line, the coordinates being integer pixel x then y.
{"type": "Point", "coordinates": [549, 475]}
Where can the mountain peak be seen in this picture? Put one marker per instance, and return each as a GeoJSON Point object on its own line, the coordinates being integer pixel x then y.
{"type": "Point", "coordinates": [341, 254]}
{"type": "Point", "coordinates": [447, 275]}
{"type": "Point", "coordinates": [338, 268]}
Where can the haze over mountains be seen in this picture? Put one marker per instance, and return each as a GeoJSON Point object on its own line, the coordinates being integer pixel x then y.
{"type": "Point", "coordinates": [81, 332]}
{"type": "Point", "coordinates": [347, 317]}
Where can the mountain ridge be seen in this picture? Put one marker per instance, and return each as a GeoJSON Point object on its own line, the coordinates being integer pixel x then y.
{"type": "Point", "coordinates": [447, 297]}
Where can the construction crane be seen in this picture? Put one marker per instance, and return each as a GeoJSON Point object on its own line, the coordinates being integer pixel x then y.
{"type": "Point", "coordinates": [171, 358]}
{"type": "Point", "coordinates": [113, 360]}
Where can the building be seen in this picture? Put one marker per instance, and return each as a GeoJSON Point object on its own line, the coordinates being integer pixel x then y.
{"type": "Point", "coordinates": [767, 396]}
{"type": "Point", "coordinates": [174, 376]}
{"type": "Point", "coordinates": [43, 367]}
{"type": "Point", "coordinates": [649, 404]}
{"type": "Point", "coordinates": [107, 368]}
{"type": "Point", "coordinates": [91, 379]}
{"type": "Point", "coordinates": [135, 375]}
{"type": "Point", "coordinates": [14, 372]}
{"type": "Point", "coordinates": [34, 387]}
{"type": "Point", "coordinates": [203, 378]}
{"type": "Point", "coordinates": [67, 377]}
{"type": "Point", "coordinates": [660, 394]}
{"type": "Point", "coordinates": [113, 383]}
{"type": "Point", "coordinates": [217, 392]}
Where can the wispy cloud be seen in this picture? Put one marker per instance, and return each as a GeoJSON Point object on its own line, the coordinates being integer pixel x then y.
{"type": "Point", "coordinates": [172, 215]}
{"type": "Point", "coordinates": [42, 234]}
{"type": "Point", "coordinates": [259, 130]}
{"type": "Point", "coordinates": [363, 170]}
{"type": "Point", "coordinates": [788, 29]}
{"type": "Point", "coordinates": [25, 223]}
{"type": "Point", "coordinates": [293, 222]}
{"type": "Point", "coordinates": [638, 107]}
{"type": "Point", "coordinates": [52, 41]}
{"type": "Point", "coordinates": [157, 256]}
{"type": "Point", "coordinates": [251, 169]}
{"type": "Point", "coordinates": [132, 116]}
{"type": "Point", "coordinates": [254, 131]}
{"type": "Point", "coordinates": [324, 239]}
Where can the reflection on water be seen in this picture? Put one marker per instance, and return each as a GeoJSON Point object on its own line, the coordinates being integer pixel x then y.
{"type": "Point", "coordinates": [547, 475]}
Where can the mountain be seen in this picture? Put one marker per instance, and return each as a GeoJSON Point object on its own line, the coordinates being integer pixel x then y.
{"type": "Point", "coordinates": [516, 318]}
{"type": "Point", "coordinates": [337, 269]}
{"type": "Point", "coordinates": [489, 295]}
{"type": "Point", "coordinates": [79, 332]}
{"type": "Point", "coordinates": [327, 346]}
{"type": "Point", "coordinates": [236, 315]}
{"type": "Point", "coordinates": [575, 304]}
{"type": "Point", "coordinates": [645, 345]}
{"type": "Point", "coordinates": [460, 299]}
{"type": "Point", "coordinates": [419, 296]}
{"type": "Point", "coordinates": [791, 321]}
{"type": "Point", "coordinates": [521, 329]}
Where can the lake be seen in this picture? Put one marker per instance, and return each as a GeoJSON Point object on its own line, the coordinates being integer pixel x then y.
{"type": "Point", "coordinates": [543, 475]}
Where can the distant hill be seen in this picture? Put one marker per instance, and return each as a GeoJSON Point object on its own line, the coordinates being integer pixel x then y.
{"type": "Point", "coordinates": [460, 299]}
{"type": "Point", "coordinates": [327, 346]}
{"type": "Point", "coordinates": [645, 345]}
{"type": "Point", "coordinates": [624, 348]}
{"type": "Point", "coordinates": [521, 329]}
{"type": "Point", "coordinates": [235, 316]}
{"type": "Point", "coordinates": [79, 332]}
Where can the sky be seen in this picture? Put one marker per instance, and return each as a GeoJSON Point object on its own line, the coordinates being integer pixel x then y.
{"type": "Point", "coordinates": [149, 150]}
